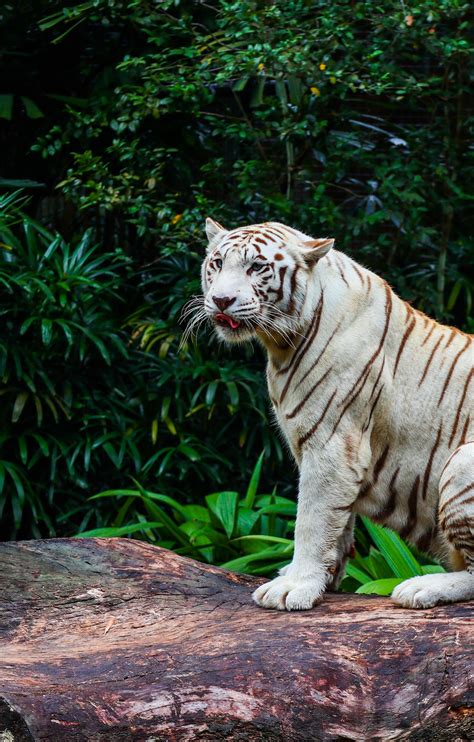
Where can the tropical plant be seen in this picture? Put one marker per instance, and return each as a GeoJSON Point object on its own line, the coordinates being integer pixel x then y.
{"type": "Point", "coordinates": [244, 533]}
{"type": "Point", "coordinates": [91, 398]}
{"type": "Point", "coordinates": [350, 120]}
{"type": "Point", "coordinates": [385, 565]}
{"type": "Point", "coordinates": [60, 342]}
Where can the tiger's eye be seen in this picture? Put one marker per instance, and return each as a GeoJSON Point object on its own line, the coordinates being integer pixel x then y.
{"type": "Point", "coordinates": [257, 267]}
{"type": "Point", "coordinates": [218, 263]}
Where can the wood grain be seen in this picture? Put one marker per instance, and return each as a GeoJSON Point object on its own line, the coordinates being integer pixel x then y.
{"type": "Point", "coordinates": [119, 640]}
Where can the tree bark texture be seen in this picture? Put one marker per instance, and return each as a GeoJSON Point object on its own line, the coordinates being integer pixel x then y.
{"type": "Point", "coordinates": [114, 639]}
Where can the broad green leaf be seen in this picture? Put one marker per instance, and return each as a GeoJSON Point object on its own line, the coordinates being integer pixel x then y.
{"type": "Point", "coordinates": [196, 512]}
{"type": "Point", "coordinates": [6, 106]}
{"type": "Point", "coordinates": [39, 410]}
{"type": "Point", "coordinates": [171, 426]}
{"type": "Point", "coordinates": [265, 539]}
{"type": "Point", "coordinates": [357, 574]}
{"type": "Point", "coordinates": [379, 587]}
{"type": "Point", "coordinates": [288, 509]}
{"type": "Point", "coordinates": [225, 510]}
{"type": "Point", "coordinates": [26, 324]}
{"type": "Point", "coordinates": [120, 517]}
{"type": "Point", "coordinates": [32, 110]}
{"type": "Point", "coordinates": [190, 452]}
{"type": "Point", "coordinates": [211, 392]}
{"type": "Point", "coordinates": [142, 493]}
{"type": "Point", "coordinates": [239, 85]}
{"type": "Point", "coordinates": [19, 405]}
{"type": "Point", "coordinates": [194, 529]}
{"type": "Point", "coordinates": [112, 532]}
{"type": "Point", "coordinates": [66, 329]}
{"type": "Point", "coordinates": [211, 500]}
{"type": "Point", "coordinates": [111, 453]}
{"type": "Point", "coordinates": [46, 331]}
{"type": "Point", "coordinates": [241, 564]}
{"type": "Point", "coordinates": [394, 550]}
{"type": "Point", "coordinates": [42, 443]}
{"type": "Point", "coordinates": [377, 565]}
{"type": "Point", "coordinates": [246, 519]}
{"type": "Point", "coordinates": [22, 445]}
{"type": "Point", "coordinates": [157, 512]}
{"type": "Point", "coordinates": [262, 501]}
{"type": "Point", "coordinates": [233, 393]}
{"type": "Point", "coordinates": [165, 406]}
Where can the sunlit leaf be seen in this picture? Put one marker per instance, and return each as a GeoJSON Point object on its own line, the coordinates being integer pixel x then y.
{"type": "Point", "coordinates": [112, 532]}
{"type": "Point", "coordinates": [395, 552]}
{"type": "Point", "coordinates": [19, 406]}
{"type": "Point", "coordinates": [379, 587]}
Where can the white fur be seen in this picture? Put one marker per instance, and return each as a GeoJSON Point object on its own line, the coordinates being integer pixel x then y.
{"type": "Point", "coordinates": [429, 590]}
{"type": "Point", "coordinates": [372, 397]}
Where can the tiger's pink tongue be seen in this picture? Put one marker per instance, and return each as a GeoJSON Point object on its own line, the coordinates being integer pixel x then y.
{"type": "Point", "coordinates": [225, 319]}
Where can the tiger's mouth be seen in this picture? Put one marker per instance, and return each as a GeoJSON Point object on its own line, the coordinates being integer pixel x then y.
{"type": "Point", "coordinates": [224, 320]}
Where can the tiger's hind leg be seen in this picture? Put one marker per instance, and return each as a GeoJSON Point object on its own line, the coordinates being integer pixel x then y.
{"type": "Point", "coordinates": [346, 549]}
{"type": "Point", "coordinates": [456, 520]}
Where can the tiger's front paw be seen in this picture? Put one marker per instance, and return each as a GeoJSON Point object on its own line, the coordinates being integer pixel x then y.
{"type": "Point", "coordinates": [427, 591]}
{"type": "Point", "coordinates": [286, 593]}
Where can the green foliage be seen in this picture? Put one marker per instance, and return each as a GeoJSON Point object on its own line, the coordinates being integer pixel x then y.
{"type": "Point", "coordinates": [85, 407]}
{"type": "Point", "coordinates": [350, 120]}
{"type": "Point", "coordinates": [244, 533]}
{"type": "Point", "coordinates": [386, 566]}
{"type": "Point", "coordinates": [62, 354]}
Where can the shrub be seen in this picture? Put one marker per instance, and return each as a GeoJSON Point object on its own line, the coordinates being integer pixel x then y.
{"type": "Point", "coordinates": [84, 407]}
{"type": "Point", "coordinates": [347, 119]}
{"type": "Point", "coordinates": [62, 363]}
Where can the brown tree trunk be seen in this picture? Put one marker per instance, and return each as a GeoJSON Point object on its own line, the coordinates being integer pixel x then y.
{"type": "Point", "coordinates": [118, 640]}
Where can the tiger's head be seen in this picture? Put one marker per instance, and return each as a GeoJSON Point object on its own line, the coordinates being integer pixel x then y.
{"type": "Point", "coordinates": [254, 279]}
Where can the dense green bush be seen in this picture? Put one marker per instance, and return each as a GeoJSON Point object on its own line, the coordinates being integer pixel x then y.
{"type": "Point", "coordinates": [351, 120]}
{"type": "Point", "coordinates": [128, 123]}
{"type": "Point", "coordinates": [84, 407]}
{"type": "Point", "coordinates": [62, 359]}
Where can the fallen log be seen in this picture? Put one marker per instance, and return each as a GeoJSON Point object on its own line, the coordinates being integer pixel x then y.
{"type": "Point", "coordinates": [119, 640]}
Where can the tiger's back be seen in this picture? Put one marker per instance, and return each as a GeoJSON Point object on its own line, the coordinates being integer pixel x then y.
{"type": "Point", "coordinates": [404, 385]}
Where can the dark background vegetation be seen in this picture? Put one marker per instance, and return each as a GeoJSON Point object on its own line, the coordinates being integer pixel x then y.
{"type": "Point", "coordinates": [125, 124]}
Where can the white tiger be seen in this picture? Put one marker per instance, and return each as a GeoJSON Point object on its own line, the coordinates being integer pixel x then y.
{"type": "Point", "coordinates": [372, 396]}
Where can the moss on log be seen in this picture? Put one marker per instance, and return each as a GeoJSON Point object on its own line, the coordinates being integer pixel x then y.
{"type": "Point", "coordinates": [119, 640]}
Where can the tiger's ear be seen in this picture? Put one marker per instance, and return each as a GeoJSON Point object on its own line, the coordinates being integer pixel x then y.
{"type": "Point", "coordinates": [213, 229]}
{"type": "Point", "coordinates": [313, 250]}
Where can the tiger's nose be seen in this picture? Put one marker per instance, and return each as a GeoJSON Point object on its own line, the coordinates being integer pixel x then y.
{"type": "Point", "coordinates": [222, 302]}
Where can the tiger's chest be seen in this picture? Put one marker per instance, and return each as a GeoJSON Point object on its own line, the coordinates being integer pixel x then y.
{"type": "Point", "coordinates": [298, 407]}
